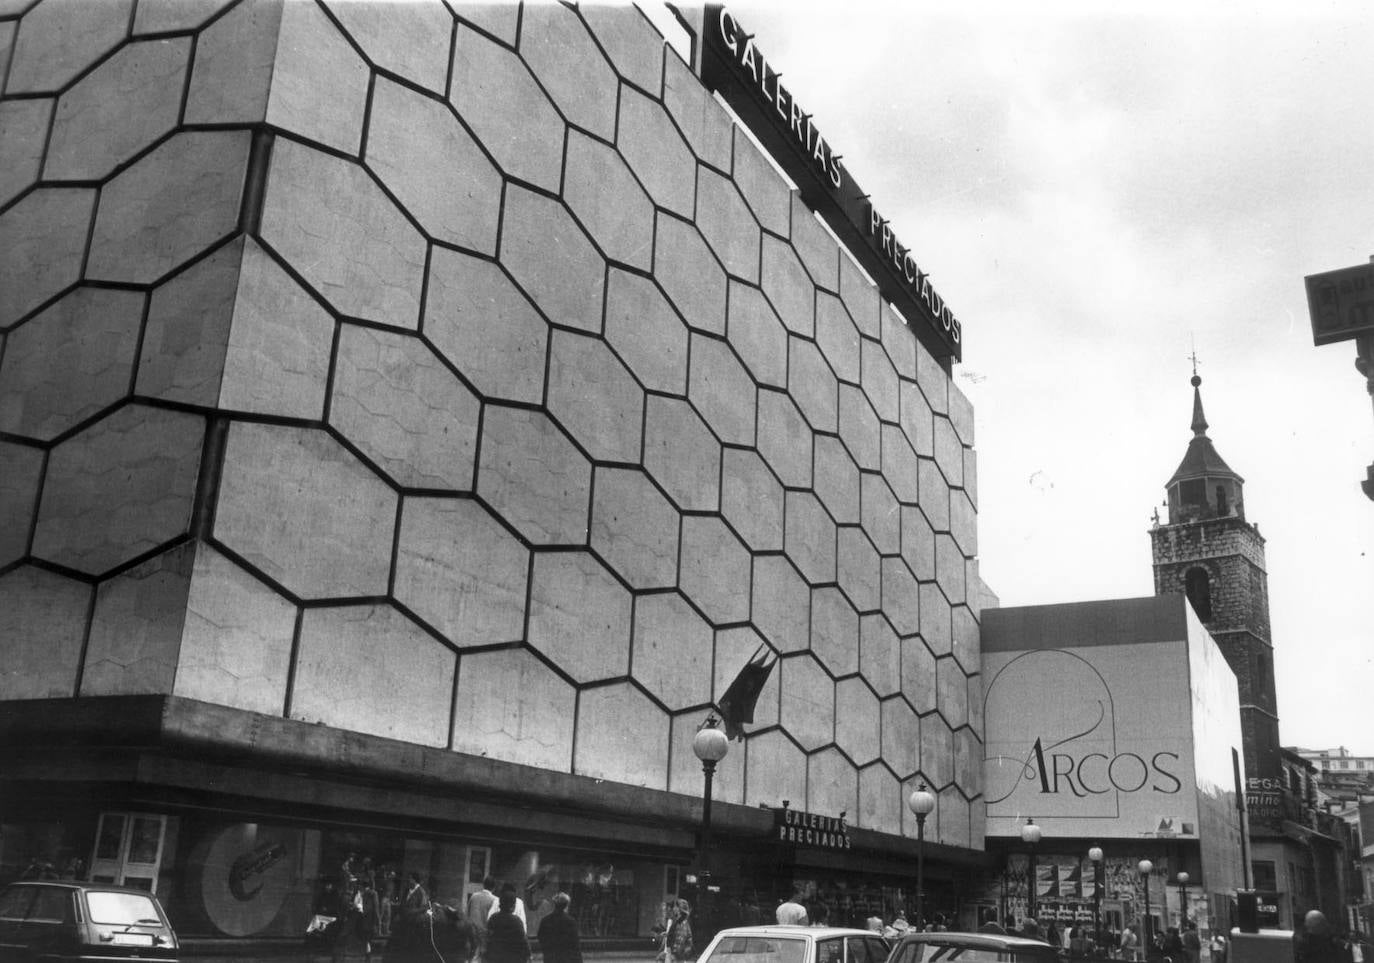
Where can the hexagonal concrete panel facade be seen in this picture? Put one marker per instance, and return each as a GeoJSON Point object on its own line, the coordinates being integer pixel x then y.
{"type": "Point", "coordinates": [506, 364]}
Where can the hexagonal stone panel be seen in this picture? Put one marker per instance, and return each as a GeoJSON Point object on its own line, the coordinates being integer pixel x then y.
{"type": "Point", "coordinates": [880, 655]}
{"type": "Point", "coordinates": [918, 543]}
{"type": "Point", "coordinates": [917, 420]}
{"type": "Point", "coordinates": [901, 467]}
{"type": "Point", "coordinates": [751, 499]}
{"type": "Point", "coordinates": [704, 122]}
{"type": "Point", "coordinates": [634, 528]}
{"type": "Point", "coordinates": [608, 200]}
{"type": "Point", "coordinates": [901, 737]}
{"type": "Point", "coordinates": [722, 390]}
{"type": "Point", "coordinates": [319, 83]}
{"type": "Point", "coordinates": [834, 631]}
{"type": "Point", "coordinates": [410, 39]}
{"type": "Point", "coordinates": [809, 537]}
{"type": "Point", "coordinates": [728, 226]}
{"type": "Point", "coordinates": [236, 643]}
{"type": "Point", "coordinates": [901, 598]}
{"type": "Point", "coordinates": [966, 639]}
{"type": "Point", "coordinates": [935, 493]}
{"type": "Point", "coordinates": [681, 453]}
{"type": "Point", "coordinates": [333, 224]}
{"type": "Point", "coordinates": [716, 569]}
{"type": "Point", "coordinates": [860, 296]}
{"type": "Point", "coordinates": [552, 260]}
{"type": "Point", "coordinates": [764, 190]}
{"type": "Point", "coordinates": [951, 686]}
{"type": "Point", "coordinates": [594, 397]}
{"type": "Point", "coordinates": [879, 380]}
{"type": "Point", "coordinates": [632, 43]}
{"type": "Point", "coordinates": [949, 568]}
{"type": "Point", "coordinates": [961, 415]}
{"type": "Point", "coordinates": [404, 667]}
{"type": "Point", "coordinates": [881, 801]}
{"type": "Point", "coordinates": [460, 571]}
{"type": "Point", "coordinates": [690, 275]}
{"type": "Point", "coordinates": [301, 508]}
{"type": "Point", "coordinates": [486, 328]}
{"type": "Point", "coordinates": [59, 40]}
{"type": "Point", "coordinates": [781, 604]}
{"type": "Point", "coordinates": [758, 335]}
{"type": "Point", "coordinates": [579, 616]}
{"type": "Point", "coordinates": [937, 751]}
{"type": "Point", "coordinates": [857, 721]}
{"type": "Point", "coordinates": [963, 522]}
{"type": "Point", "coordinates": [458, 200]}
{"type": "Point", "coordinates": [513, 707]}
{"type": "Point", "coordinates": [775, 769]}
{"type": "Point", "coordinates": [933, 379]}
{"type": "Point", "coordinates": [135, 636]}
{"type": "Point", "coordinates": [533, 477]}
{"type": "Point", "coordinates": [621, 737]}
{"type": "Point", "coordinates": [655, 150]}
{"type": "Point", "coordinates": [557, 47]}
{"type": "Point", "coordinates": [784, 438]}
{"type": "Point", "coordinates": [43, 620]}
{"type": "Point", "coordinates": [235, 55]}
{"type": "Point", "coordinates": [898, 341]}
{"type": "Point", "coordinates": [120, 487]}
{"type": "Point", "coordinates": [956, 818]}
{"type": "Point", "coordinates": [836, 479]}
{"type": "Point", "coordinates": [494, 93]}
{"type": "Point", "coordinates": [18, 498]}
{"type": "Point", "coordinates": [815, 245]}
{"type": "Point", "coordinates": [69, 361]}
{"type": "Point", "coordinates": [837, 337]}
{"type": "Point", "coordinates": [169, 206]}
{"type": "Point", "coordinates": [881, 514]}
{"type": "Point", "coordinates": [788, 287]}
{"type": "Point", "coordinates": [646, 332]}
{"type": "Point", "coordinates": [859, 428]}
{"type": "Point", "coordinates": [671, 644]}
{"type": "Point", "coordinates": [26, 128]}
{"type": "Point", "coordinates": [857, 568]}
{"type": "Point", "coordinates": [404, 409]}
{"type": "Point", "coordinates": [832, 783]}
{"type": "Point", "coordinates": [144, 80]}
{"type": "Point", "coordinates": [42, 242]}
{"type": "Point", "coordinates": [812, 384]}
{"type": "Point", "coordinates": [919, 675]}
{"type": "Point", "coordinates": [935, 619]}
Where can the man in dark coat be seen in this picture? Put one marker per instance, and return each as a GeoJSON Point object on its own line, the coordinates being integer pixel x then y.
{"type": "Point", "coordinates": [1316, 943]}
{"type": "Point", "coordinates": [506, 941]}
{"type": "Point", "coordinates": [558, 936]}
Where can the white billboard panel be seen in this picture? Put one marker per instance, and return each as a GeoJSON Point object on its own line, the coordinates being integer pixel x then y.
{"type": "Point", "coordinates": [1090, 740]}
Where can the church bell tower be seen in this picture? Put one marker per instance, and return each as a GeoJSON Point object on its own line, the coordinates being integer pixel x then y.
{"type": "Point", "coordinates": [1208, 551]}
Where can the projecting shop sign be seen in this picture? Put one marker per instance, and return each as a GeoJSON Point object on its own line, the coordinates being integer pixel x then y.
{"type": "Point", "coordinates": [1341, 303]}
{"type": "Point", "coordinates": [733, 65]}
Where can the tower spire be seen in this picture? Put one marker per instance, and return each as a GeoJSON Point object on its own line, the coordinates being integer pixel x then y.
{"type": "Point", "coordinates": [1199, 419]}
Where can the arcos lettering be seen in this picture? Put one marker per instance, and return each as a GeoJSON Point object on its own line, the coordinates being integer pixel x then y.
{"type": "Point", "coordinates": [1096, 773]}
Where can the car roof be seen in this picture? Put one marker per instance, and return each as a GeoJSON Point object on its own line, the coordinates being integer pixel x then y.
{"type": "Point", "coordinates": [1008, 941]}
{"type": "Point", "coordinates": [782, 929]}
{"type": "Point", "coordinates": [78, 884]}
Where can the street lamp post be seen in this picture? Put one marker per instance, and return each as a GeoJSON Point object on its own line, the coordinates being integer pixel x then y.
{"type": "Point", "coordinates": [1095, 857]}
{"type": "Point", "coordinates": [1146, 867]}
{"type": "Point", "coordinates": [710, 745]}
{"type": "Point", "coordinates": [1182, 900]}
{"type": "Point", "coordinates": [922, 804]}
{"type": "Point", "coordinates": [1030, 835]}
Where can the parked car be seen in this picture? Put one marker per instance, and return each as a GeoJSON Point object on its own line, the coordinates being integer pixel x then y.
{"type": "Point", "coordinates": [1264, 946]}
{"type": "Point", "coordinates": [795, 944]}
{"type": "Point", "coordinates": [63, 920]}
{"type": "Point", "coordinates": [970, 948]}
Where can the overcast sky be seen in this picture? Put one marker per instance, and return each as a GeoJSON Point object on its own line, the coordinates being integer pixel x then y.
{"type": "Point", "coordinates": [1094, 195]}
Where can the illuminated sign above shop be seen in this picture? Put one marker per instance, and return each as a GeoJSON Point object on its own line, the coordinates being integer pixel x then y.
{"type": "Point", "coordinates": [733, 65]}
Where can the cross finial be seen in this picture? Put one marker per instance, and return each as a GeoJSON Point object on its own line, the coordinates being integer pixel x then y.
{"type": "Point", "coordinates": [1193, 357]}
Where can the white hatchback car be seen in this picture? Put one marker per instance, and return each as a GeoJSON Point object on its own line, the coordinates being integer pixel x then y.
{"type": "Point", "coordinates": [795, 944]}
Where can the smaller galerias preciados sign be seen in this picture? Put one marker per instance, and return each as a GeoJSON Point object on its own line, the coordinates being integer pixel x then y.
{"type": "Point", "coordinates": [733, 66]}
{"type": "Point", "coordinates": [795, 827]}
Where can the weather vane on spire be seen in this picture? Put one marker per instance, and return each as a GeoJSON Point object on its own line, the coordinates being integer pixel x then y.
{"type": "Point", "coordinates": [1193, 357]}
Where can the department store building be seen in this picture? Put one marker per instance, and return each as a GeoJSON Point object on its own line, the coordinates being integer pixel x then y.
{"type": "Point", "coordinates": [413, 417]}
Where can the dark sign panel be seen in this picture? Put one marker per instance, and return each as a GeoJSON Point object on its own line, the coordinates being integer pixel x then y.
{"type": "Point", "coordinates": [733, 65]}
{"type": "Point", "coordinates": [793, 827]}
{"type": "Point", "coordinates": [1341, 303]}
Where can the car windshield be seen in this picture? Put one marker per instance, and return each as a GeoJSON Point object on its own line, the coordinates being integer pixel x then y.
{"type": "Point", "coordinates": [121, 909]}
{"type": "Point", "coordinates": [759, 949]}
{"type": "Point", "coordinates": [949, 953]}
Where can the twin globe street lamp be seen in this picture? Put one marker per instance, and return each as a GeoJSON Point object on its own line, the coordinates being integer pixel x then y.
{"type": "Point", "coordinates": [1030, 835]}
{"type": "Point", "coordinates": [922, 804]}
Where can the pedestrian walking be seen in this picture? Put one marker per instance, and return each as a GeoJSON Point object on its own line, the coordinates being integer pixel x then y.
{"type": "Point", "coordinates": [506, 940]}
{"type": "Point", "coordinates": [480, 905]}
{"type": "Point", "coordinates": [1317, 943]}
{"type": "Point", "coordinates": [559, 939]}
{"type": "Point", "coordinates": [677, 942]}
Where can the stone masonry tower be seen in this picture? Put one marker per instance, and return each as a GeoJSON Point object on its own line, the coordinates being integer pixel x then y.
{"type": "Point", "coordinates": [1211, 553]}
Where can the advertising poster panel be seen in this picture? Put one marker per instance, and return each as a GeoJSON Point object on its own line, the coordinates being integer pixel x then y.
{"type": "Point", "coordinates": [1090, 739]}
